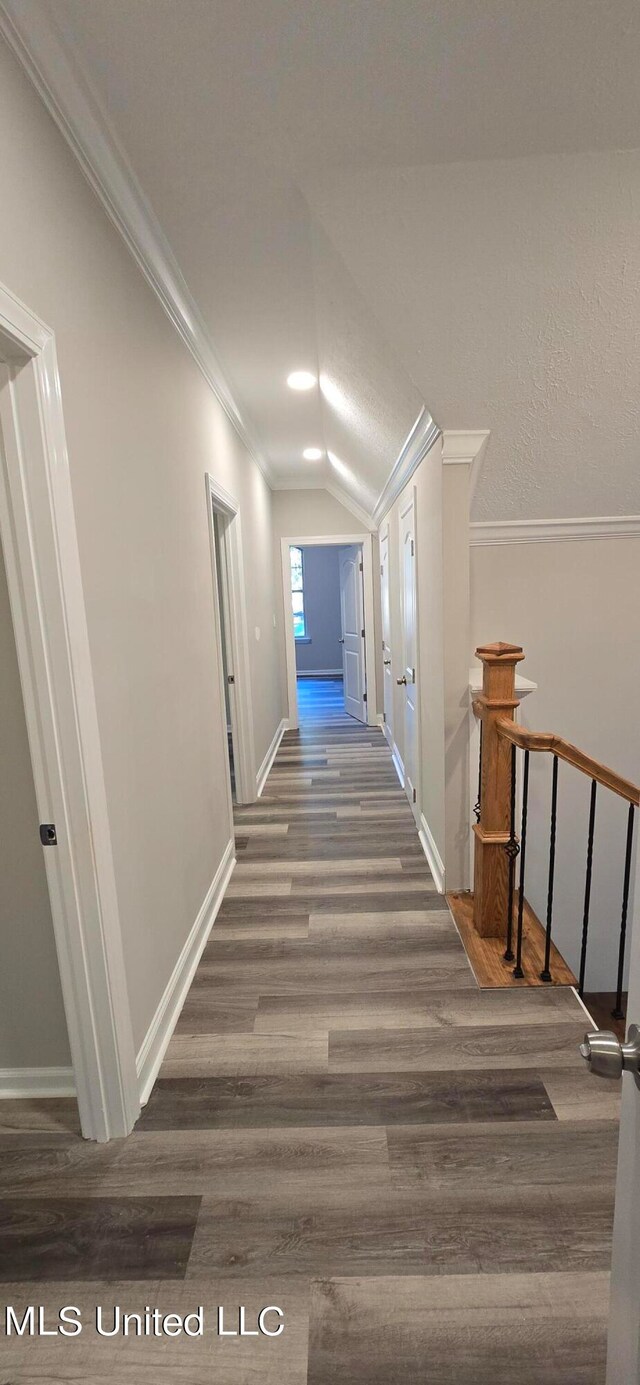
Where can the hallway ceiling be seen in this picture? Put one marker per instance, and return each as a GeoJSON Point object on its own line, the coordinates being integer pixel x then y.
{"type": "Point", "coordinates": [229, 109]}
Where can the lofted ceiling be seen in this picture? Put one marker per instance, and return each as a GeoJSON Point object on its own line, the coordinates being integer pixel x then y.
{"type": "Point", "coordinates": [251, 126]}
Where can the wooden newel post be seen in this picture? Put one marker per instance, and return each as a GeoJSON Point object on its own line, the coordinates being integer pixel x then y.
{"type": "Point", "coordinates": [491, 863]}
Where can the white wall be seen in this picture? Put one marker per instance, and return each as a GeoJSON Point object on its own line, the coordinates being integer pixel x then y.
{"type": "Point", "coordinates": [323, 653]}
{"type": "Point", "coordinates": [573, 606]}
{"type": "Point", "coordinates": [142, 428]}
{"type": "Point", "coordinates": [33, 1030]}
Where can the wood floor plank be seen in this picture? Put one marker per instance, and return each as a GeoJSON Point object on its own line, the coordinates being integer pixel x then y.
{"type": "Point", "coordinates": [96, 1238]}
{"type": "Point", "coordinates": [478, 1329]}
{"type": "Point", "coordinates": [483, 1048]}
{"type": "Point", "coordinates": [128, 1360]}
{"type": "Point", "coordinates": [244, 1055]}
{"type": "Point", "coordinates": [344, 1100]}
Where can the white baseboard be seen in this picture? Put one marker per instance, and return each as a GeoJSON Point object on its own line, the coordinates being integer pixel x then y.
{"type": "Point", "coordinates": [319, 673]}
{"type": "Point", "coordinates": [436, 863]}
{"type": "Point", "coordinates": [261, 776]}
{"type": "Point", "coordinates": [164, 1021]}
{"type": "Point", "coordinates": [397, 761]}
{"type": "Point", "coordinates": [22, 1083]}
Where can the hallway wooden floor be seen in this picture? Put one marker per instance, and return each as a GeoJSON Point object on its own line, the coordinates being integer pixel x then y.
{"type": "Point", "coordinates": [418, 1173]}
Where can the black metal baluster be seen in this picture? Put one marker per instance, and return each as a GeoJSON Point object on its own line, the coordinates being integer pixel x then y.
{"type": "Point", "coordinates": [545, 974]}
{"type": "Point", "coordinates": [517, 970]}
{"type": "Point", "coordinates": [618, 1013]}
{"type": "Point", "coordinates": [512, 848]}
{"type": "Point", "coordinates": [587, 888]}
{"type": "Point", "coordinates": [478, 803]}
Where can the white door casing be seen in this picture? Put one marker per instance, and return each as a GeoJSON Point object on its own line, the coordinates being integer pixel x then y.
{"type": "Point", "coordinates": [409, 650]}
{"type": "Point", "coordinates": [352, 622]}
{"type": "Point", "coordinates": [364, 541]}
{"type": "Point", "coordinates": [387, 662]}
{"type": "Point", "coordinates": [40, 546]}
{"type": "Point", "coordinates": [623, 1356]}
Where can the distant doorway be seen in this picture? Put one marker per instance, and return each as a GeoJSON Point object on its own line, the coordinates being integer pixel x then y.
{"type": "Point", "coordinates": [230, 634]}
{"type": "Point", "coordinates": [328, 595]}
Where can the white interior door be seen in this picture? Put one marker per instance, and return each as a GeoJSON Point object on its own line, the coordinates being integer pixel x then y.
{"type": "Point", "coordinates": [352, 618]}
{"type": "Point", "coordinates": [623, 1358]}
{"type": "Point", "coordinates": [387, 668]}
{"type": "Point", "coordinates": [408, 675]}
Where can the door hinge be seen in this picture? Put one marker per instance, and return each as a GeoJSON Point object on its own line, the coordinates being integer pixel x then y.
{"type": "Point", "coordinates": [414, 795]}
{"type": "Point", "coordinates": [384, 716]}
{"type": "Point", "coordinates": [364, 697]}
{"type": "Point", "coordinates": [360, 565]}
{"type": "Point", "coordinates": [412, 549]}
{"type": "Point", "coordinates": [362, 633]}
{"type": "Point", "coordinates": [381, 570]}
{"type": "Point", "coordinates": [231, 678]}
{"type": "Point", "coordinates": [48, 834]}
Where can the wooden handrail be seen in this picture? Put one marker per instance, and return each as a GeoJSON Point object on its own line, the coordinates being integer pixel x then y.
{"type": "Point", "coordinates": [556, 745]}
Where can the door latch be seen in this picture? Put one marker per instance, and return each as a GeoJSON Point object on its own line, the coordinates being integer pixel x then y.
{"type": "Point", "coordinates": [48, 834]}
{"type": "Point", "coordinates": [607, 1057]}
{"type": "Point", "coordinates": [231, 678]}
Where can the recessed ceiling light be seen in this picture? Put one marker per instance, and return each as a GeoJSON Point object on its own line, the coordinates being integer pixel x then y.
{"type": "Point", "coordinates": [301, 380]}
{"type": "Point", "coordinates": [312, 454]}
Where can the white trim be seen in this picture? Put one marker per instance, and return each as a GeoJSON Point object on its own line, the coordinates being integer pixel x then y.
{"type": "Point", "coordinates": [263, 772]}
{"type": "Point", "coordinates": [395, 753]}
{"type": "Point", "coordinates": [19, 1084]}
{"type": "Point", "coordinates": [38, 533]}
{"type": "Point", "coordinates": [343, 497]}
{"type": "Point", "coordinates": [240, 699]}
{"type": "Point", "coordinates": [554, 530]}
{"type": "Point", "coordinates": [329, 541]}
{"type": "Point", "coordinates": [164, 1021]}
{"type": "Point", "coordinates": [419, 441]}
{"type": "Point", "coordinates": [465, 447]}
{"type": "Point", "coordinates": [79, 115]}
{"type": "Point", "coordinates": [318, 672]}
{"type": "Point", "coordinates": [584, 1007]}
{"type": "Point", "coordinates": [428, 844]}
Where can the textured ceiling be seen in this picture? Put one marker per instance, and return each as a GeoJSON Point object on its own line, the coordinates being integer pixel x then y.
{"type": "Point", "coordinates": [511, 292]}
{"type": "Point", "coordinates": [228, 108]}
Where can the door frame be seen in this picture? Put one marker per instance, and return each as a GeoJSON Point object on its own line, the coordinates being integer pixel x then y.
{"type": "Point", "coordinates": [330, 541]}
{"type": "Point", "coordinates": [237, 641]}
{"type": "Point", "coordinates": [39, 539]}
{"type": "Point", "coordinates": [384, 534]}
{"type": "Point", "coordinates": [412, 503]}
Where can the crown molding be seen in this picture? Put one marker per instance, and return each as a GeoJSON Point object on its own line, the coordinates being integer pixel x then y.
{"type": "Point", "coordinates": [483, 534]}
{"type": "Point", "coordinates": [85, 126]}
{"type": "Point", "coordinates": [344, 498]}
{"type": "Point", "coordinates": [419, 441]}
{"type": "Point", "coordinates": [465, 447]}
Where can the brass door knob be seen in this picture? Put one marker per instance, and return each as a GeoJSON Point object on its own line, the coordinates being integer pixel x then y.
{"type": "Point", "coordinates": [402, 680]}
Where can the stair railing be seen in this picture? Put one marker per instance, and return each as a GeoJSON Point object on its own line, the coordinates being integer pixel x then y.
{"type": "Point", "coordinates": [500, 849]}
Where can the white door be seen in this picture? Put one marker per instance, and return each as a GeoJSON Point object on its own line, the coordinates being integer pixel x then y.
{"type": "Point", "coordinates": [623, 1359]}
{"type": "Point", "coordinates": [387, 681]}
{"type": "Point", "coordinates": [352, 618]}
{"type": "Point", "coordinates": [408, 674]}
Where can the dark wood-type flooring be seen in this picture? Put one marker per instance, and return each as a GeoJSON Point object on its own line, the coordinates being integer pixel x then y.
{"type": "Point", "coordinates": [418, 1172]}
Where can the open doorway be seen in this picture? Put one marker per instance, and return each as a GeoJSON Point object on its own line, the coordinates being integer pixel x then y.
{"type": "Point", "coordinates": [230, 634]}
{"type": "Point", "coordinates": [222, 602]}
{"type": "Point", "coordinates": [328, 598]}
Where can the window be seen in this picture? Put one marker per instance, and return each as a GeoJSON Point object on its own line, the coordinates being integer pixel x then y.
{"type": "Point", "coordinates": [297, 594]}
